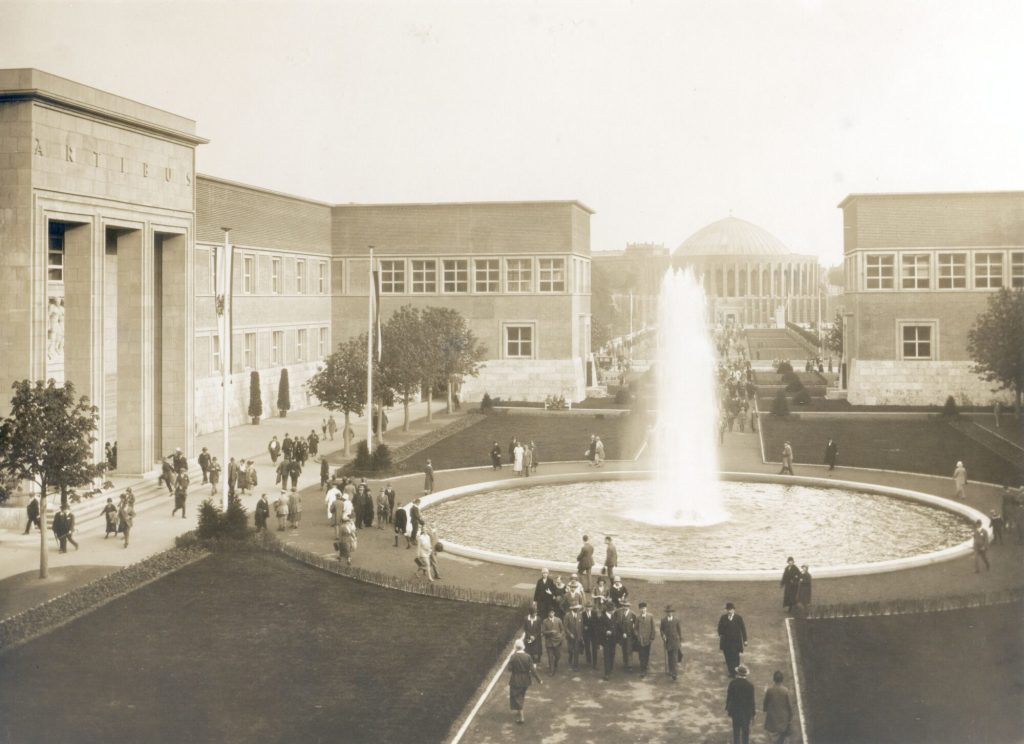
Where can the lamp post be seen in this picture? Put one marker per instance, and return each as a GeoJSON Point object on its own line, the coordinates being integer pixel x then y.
{"type": "Point", "coordinates": [224, 311]}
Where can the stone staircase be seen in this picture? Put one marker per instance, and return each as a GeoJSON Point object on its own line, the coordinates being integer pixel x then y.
{"type": "Point", "coordinates": [777, 343]}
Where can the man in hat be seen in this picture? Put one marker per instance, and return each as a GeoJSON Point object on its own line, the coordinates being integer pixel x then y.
{"type": "Point", "coordinates": [428, 478]}
{"type": "Point", "coordinates": [262, 513]}
{"type": "Point", "coordinates": [672, 637]}
{"type": "Point", "coordinates": [573, 625]}
{"type": "Point", "coordinates": [787, 459]}
{"type": "Point", "coordinates": [778, 710]}
{"type": "Point", "coordinates": [574, 592]}
{"type": "Point", "coordinates": [732, 637]}
{"type": "Point", "coordinates": [625, 629]}
{"type": "Point", "coordinates": [553, 631]}
{"type": "Point", "coordinates": [204, 464]}
{"type": "Point", "coordinates": [607, 639]}
{"type": "Point", "coordinates": [32, 512]}
{"type": "Point", "coordinates": [790, 581]}
{"type": "Point", "coordinates": [588, 621]}
{"type": "Point", "coordinates": [739, 704]}
{"type": "Point", "coordinates": [644, 637]}
{"type": "Point", "coordinates": [415, 520]}
{"type": "Point", "coordinates": [611, 556]}
{"type": "Point", "coordinates": [64, 528]}
{"type": "Point", "coordinates": [179, 461]}
{"type": "Point", "coordinates": [585, 561]}
{"type": "Point", "coordinates": [980, 539]}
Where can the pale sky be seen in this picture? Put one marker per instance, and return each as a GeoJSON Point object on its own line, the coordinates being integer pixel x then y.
{"type": "Point", "coordinates": [661, 116]}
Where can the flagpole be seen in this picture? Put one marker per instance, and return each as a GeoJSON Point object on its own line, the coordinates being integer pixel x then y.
{"type": "Point", "coordinates": [225, 356]}
{"type": "Point", "coordinates": [369, 357]}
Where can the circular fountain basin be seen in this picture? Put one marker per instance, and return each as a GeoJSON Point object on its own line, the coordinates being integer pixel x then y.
{"type": "Point", "coordinates": [839, 528]}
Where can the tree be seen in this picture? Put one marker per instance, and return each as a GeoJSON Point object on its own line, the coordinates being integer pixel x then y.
{"type": "Point", "coordinates": [284, 393]}
{"type": "Point", "coordinates": [341, 384]}
{"type": "Point", "coordinates": [834, 339]}
{"type": "Point", "coordinates": [456, 351]}
{"type": "Point", "coordinates": [48, 440]}
{"type": "Point", "coordinates": [255, 397]}
{"type": "Point", "coordinates": [404, 350]}
{"type": "Point", "coordinates": [996, 342]}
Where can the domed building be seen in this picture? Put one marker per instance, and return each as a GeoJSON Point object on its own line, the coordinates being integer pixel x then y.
{"type": "Point", "coordinates": [751, 277]}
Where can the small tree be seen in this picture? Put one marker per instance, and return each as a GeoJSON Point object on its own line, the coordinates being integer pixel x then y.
{"type": "Point", "coordinates": [255, 397]}
{"type": "Point", "coordinates": [48, 440]}
{"type": "Point", "coordinates": [949, 410]}
{"type": "Point", "coordinates": [284, 393]}
{"type": "Point", "coordinates": [996, 342]}
{"type": "Point", "coordinates": [834, 339]}
{"type": "Point", "coordinates": [341, 384]}
{"type": "Point", "coordinates": [780, 406]}
{"type": "Point", "coordinates": [404, 350]}
{"type": "Point", "coordinates": [456, 351]}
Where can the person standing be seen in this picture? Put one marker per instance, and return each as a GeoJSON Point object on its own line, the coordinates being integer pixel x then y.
{"type": "Point", "coordinates": [179, 461]}
{"type": "Point", "coordinates": [997, 527]}
{"type": "Point", "coordinates": [262, 513]}
{"type": "Point", "coordinates": [281, 510]}
{"type": "Point", "coordinates": [534, 460]}
{"type": "Point", "coordinates": [325, 473]}
{"type": "Point", "coordinates": [532, 633]}
{"type": "Point", "coordinates": [214, 475]}
{"type": "Point", "coordinates": [573, 624]}
{"type": "Point", "coordinates": [732, 637]}
{"type": "Point", "coordinates": [585, 561]}
{"type": "Point", "coordinates": [598, 452]}
{"type": "Point", "coordinates": [496, 457]}
{"type": "Point", "coordinates": [618, 593]}
{"type": "Point", "coordinates": [778, 710]}
{"type": "Point", "coordinates": [274, 448]}
{"type": "Point", "coordinates": [233, 471]}
{"type": "Point", "coordinates": [204, 465]}
{"type": "Point", "coordinates": [831, 453]}
{"type": "Point", "coordinates": [644, 637]}
{"type": "Point", "coordinates": [428, 478]}
{"type": "Point", "coordinates": [313, 443]}
{"type": "Point", "coordinates": [606, 637]}
{"type": "Point", "coordinates": [64, 528]}
{"type": "Point", "coordinates": [251, 479]}
{"type": "Point", "coordinates": [803, 591]}
{"type": "Point", "coordinates": [294, 509]}
{"type": "Point", "coordinates": [295, 470]}
{"type": "Point", "coordinates": [588, 621]}
{"type": "Point", "coordinates": [401, 523]}
{"type": "Point", "coordinates": [332, 427]}
{"type": "Point", "coordinates": [523, 670]}
{"type": "Point", "coordinates": [125, 517]}
{"type": "Point", "coordinates": [347, 541]}
{"type": "Point", "coordinates": [110, 515]}
{"type": "Point", "coordinates": [32, 512]}
{"type": "Point", "coordinates": [739, 704]}
{"type": "Point", "coordinates": [980, 547]}
{"type": "Point", "coordinates": [544, 593]}
{"type": "Point", "coordinates": [287, 446]}
{"type": "Point", "coordinates": [574, 593]}
{"type": "Point", "coordinates": [626, 631]}
{"type": "Point", "coordinates": [960, 480]}
{"type": "Point", "coordinates": [790, 583]}
{"type": "Point", "coordinates": [323, 429]}
{"type": "Point", "coordinates": [611, 557]}
{"type": "Point", "coordinates": [554, 635]}
{"type": "Point", "coordinates": [672, 637]}
{"type": "Point", "coordinates": [424, 548]}
{"type": "Point", "coordinates": [527, 460]}
{"type": "Point", "coordinates": [787, 459]}
{"type": "Point", "coordinates": [389, 502]}
{"type": "Point", "coordinates": [517, 458]}
{"type": "Point", "coordinates": [415, 519]}
{"type": "Point", "coordinates": [180, 497]}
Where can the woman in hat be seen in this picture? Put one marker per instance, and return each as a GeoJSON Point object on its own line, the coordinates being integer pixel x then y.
{"type": "Point", "coordinates": [523, 673]}
{"type": "Point", "coordinates": [803, 591]}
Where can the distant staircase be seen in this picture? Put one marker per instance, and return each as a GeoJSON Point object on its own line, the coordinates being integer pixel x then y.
{"type": "Point", "coordinates": [778, 343]}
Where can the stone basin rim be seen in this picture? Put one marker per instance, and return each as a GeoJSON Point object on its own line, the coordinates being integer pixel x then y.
{"type": "Point", "coordinates": [660, 574]}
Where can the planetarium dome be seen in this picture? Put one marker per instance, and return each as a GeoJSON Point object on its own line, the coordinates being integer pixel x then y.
{"type": "Point", "coordinates": [732, 237]}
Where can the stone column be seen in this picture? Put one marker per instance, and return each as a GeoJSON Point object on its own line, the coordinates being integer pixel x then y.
{"type": "Point", "coordinates": [135, 454]}
{"type": "Point", "coordinates": [174, 323]}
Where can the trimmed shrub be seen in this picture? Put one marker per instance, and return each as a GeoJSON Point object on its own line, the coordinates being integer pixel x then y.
{"type": "Point", "coordinates": [784, 367]}
{"type": "Point", "coordinates": [217, 524]}
{"type": "Point", "coordinates": [255, 397]}
{"type": "Point", "coordinates": [284, 394]}
{"type": "Point", "coordinates": [949, 410]}
{"type": "Point", "coordinates": [486, 402]}
{"type": "Point", "coordinates": [364, 460]}
{"type": "Point", "coordinates": [382, 458]}
{"type": "Point", "coordinates": [780, 406]}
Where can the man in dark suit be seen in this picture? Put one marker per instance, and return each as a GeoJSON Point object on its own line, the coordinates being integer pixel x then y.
{"type": "Point", "coordinates": [739, 704]}
{"type": "Point", "coordinates": [589, 620]}
{"type": "Point", "coordinates": [585, 561]}
{"type": "Point", "coordinates": [573, 624]}
{"type": "Point", "coordinates": [644, 637]}
{"type": "Point", "coordinates": [415, 519]}
{"type": "Point", "coordinates": [544, 593]}
{"type": "Point", "coordinates": [831, 454]}
{"type": "Point", "coordinates": [32, 511]}
{"type": "Point", "coordinates": [626, 630]}
{"type": "Point", "coordinates": [204, 464]}
{"type": "Point", "coordinates": [607, 639]}
{"type": "Point", "coordinates": [611, 557]}
{"type": "Point", "coordinates": [179, 461]}
{"type": "Point", "coordinates": [64, 528]}
{"type": "Point", "coordinates": [732, 637]}
{"type": "Point", "coordinates": [287, 446]}
{"type": "Point", "coordinates": [672, 637]}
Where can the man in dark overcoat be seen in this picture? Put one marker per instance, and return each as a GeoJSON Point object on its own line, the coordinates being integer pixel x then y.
{"type": "Point", "coordinates": [732, 637]}
{"type": "Point", "coordinates": [672, 637]}
{"type": "Point", "coordinates": [606, 637]}
{"type": "Point", "coordinates": [739, 704]}
{"type": "Point", "coordinates": [790, 583]}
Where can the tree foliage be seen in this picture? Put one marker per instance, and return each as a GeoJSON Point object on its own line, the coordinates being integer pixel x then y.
{"type": "Point", "coordinates": [255, 395]}
{"type": "Point", "coordinates": [341, 384]}
{"type": "Point", "coordinates": [996, 341]}
{"type": "Point", "coordinates": [454, 350]}
{"type": "Point", "coordinates": [834, 339]}
{"type": "Point", "coordinates": [405, 354]}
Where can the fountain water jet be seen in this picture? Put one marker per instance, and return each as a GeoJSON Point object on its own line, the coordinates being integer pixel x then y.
{"type": "Point", "coordinates": [683, 439]}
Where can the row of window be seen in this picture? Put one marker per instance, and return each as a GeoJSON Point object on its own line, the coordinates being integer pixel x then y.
{"type": "Point", "coordinates": [321, 279]}
{"type": "Point", "coordinates": [248, 353]}
{"type": "Point", "coordinates": [944, 270]}
{"type": "Point", "coordinates": [482, 275]}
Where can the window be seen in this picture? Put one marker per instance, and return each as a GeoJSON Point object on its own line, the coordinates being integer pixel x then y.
{"type": "Point", "coordinates": [586, 277]}
{"type": "Point", "coordinates": [248, 277]}
{"type": "Point", "coordinates": [916, 271]}
{"type": "Point", "coordinates": [519, 342]}
{"type": "Point", "coordinates": [917, 341]}
{"type": "Point", "coordinates": [392, 276]}
{"type": "Point", "coordinates": [214, 271]}
{"type": "Point", "coordinates": [551, 273]}
{"type": "Point", "coordinates": [879, 272]}
{"type": "Point", "coordinates": [456, 275]}
{"type": "Point", "coordinates": [55, 258]}
{"type": "Point", "coordinates": [249, 350]}
{"type": "Point", "coordinates": [952, 271]}
{"type": "Point", "coordinates": [487, 275]}
{"type": "Point", "coordinates": [322, 281]}
{"type": "Point", "coordinates": [300, 345]}
{"type": "Point", "coordinates": [215, 352]}
{"type": "Point", "coordinates": [424, 276]}
{"type": "Point", "coordinates": [1017, 270]}
{"type": "Point", "coordinates": [275, 275]}
{"type": "Point", "coordinates": [300, 276]}
{"type": "Point", "coordinates": [988, 270]}
{"type": "Point", "coordinates": [277, 348]}
{"type": "Point", "coordinates": [324, 342]}
{"type": "Point", "coordinates": [519, 275]}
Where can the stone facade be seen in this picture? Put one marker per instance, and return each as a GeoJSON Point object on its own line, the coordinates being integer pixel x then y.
{"type": "Point", "coordinates": [895, 383]}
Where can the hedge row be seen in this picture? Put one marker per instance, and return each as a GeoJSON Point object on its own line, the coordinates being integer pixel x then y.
{"type": "Point", "coordinates": [910, 606]}
{"type": "Point", "coordinates": [32, 623]}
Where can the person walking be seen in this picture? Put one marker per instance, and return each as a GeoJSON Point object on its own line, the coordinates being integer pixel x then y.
{"type": "Point", "coordinates": [166, 475]}
{"type": "Point", "coordinates": [739, 704]}
{"type": "Point", "coordinates": [347, 541]}
{"type": "Point", "coordinates": [325, 473]}
{"type": "Point", "coordinates": [281, 510]}
{"type": "Point", "coordinates": [980, 547]}
{"type": "Point", "coordinates": [732, 637]}
{"type": "Point", "coordinates": [831, 453]}
{"type": "Point", "coordinates": [524, 671]}
{"type": "Point", "coordinates": [787, 459]}
{"type": "Point", "coordinates": [496, 456]}
{"type": "Point", "coordinates": [544, 593]}
{"type": "Point", "coordinates": [553, 631]}
{"type": "Point", "coordinates": [960, 480]}
{"type": "Point", "coordinates": [585, 561]}
{"type": "Point", "coordinates": [32, 513]}
{"type": "Point", "coordinates": [611, 557]}
{"type": "Point", "coordinates": [626, 632]}
{"type": "Point", "coordinates": [415, 519]}
{"type": "Point", "coordinates": [573, 625]}
{"type": "Point", "coordinates": [401, 525]}
{"type": "Point", "coordinates": [214, 475]}
{"type": "Point", "coordinates": [125, 517]}
{"type": "Point", "coordinates": [644, 637]}
{"type": "Point", "coordinates": [332, 427]}
{"type": "Point", "coordinates": [803, 591]}
{"type": "Point", "coordinates": [588, 621]}
{"type": "Point", "coordinates": [313, 443]}
{"type": "Point", "coordinates": [262, 513]}
{"type": "Point", "coordinates": [274, 449]}
{"type": "Point", "coordinates": [428, 478]}
{"type": "Point", "coordinates": [109, 513]}
{"type": "Point", "coordinates": [204, 464]}
{"type": "Point", "coordinates": [180, 497]}
{"type": "Point", "coordinates": [778, 710]}
{"type": "Point", "coordinates": [532, 633]}
{"type": "Point", "coordinates": [64, 528]}
{"type": "Point", "coordinates": [790, 583]}
{"type": "Point", "coordinates": [672, 637]}
{"type": "Point", "coordinates": [294, 508]}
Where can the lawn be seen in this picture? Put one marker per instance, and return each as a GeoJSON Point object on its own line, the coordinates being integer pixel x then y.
{"type": "Point", "coordinates": [922, 446]}
{"type": "Point", "coordinates": [955, 676]}
{"type": "Point", "coordinates": [558, 436]}
{"type": "Point", "coordinates": [253, 647]}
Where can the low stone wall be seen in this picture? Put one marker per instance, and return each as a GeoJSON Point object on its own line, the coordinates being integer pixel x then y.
{"type": "Point", "coordinates": [527, 379]}
{"type": "Point", "coordinates": [882, 382]}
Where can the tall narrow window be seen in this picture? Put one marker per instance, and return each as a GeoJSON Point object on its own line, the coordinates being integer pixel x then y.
{"type": "Point", "coordinates": [249, 346]}
{"type": "Point", "coordinates": [551, 274]}
{"type": "Point", "coordinates": [277, 348]}
{"type": "Point", "coordinates": [248, 274]}
{"type": "Point", "coordinates": [324, 350]}
{"type": "Point", "coordinates": [487, 273]}
{"type": "Point", "coordinates": [215, 352]}
{"type": "Point", "coordinates": [988, 270]}
{"type": "Point", "coordinates": [300, 345]}
{"type": "Point", "coordinates": [300, 276]}
{"type": "Point", "coordinates": [275, 275]}
{"type": "Point", "coordinates": [322, 281]}
{"type": "Point", "coordinates": [878, 273]}
{"type": "Point", "coordinates": [952, 270]}
{"type": "Point", "coordinates": [392, 276]}
{"type": "Point", "coordinates": [55, 256]}
{"type": "Point", "coordinates": [519, 275]}
{"type": "Point", "coordinates": [1017, 269]}
{"type": "Point", "coordinates": [916, 271]}
{"type": "Point", "coordinates": [456, 275]}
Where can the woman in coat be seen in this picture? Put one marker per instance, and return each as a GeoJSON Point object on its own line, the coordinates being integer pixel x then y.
{"type": "Point", "coordinates": [523, 673]}
{"type": "Point", "coordinates": [125, 518]}
{"type": "Point", "coordinates": [532, 632]}
{"type": "Point", "coordinates": [790, 582]}
{"type": "Point", "coordinates": [803, 591]}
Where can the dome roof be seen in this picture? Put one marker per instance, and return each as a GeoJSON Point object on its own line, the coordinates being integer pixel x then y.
{"type": "Point", "coordinates": [732, 237]}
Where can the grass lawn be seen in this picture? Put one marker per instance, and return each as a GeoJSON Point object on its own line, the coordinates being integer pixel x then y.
{"type": "Point", "coordinates": [927, 446]}
{"type": "Point", "coordinates": [938, 677]}
{"type": "Point", "coordinates": [558, 436]}
{"type": "Point", "coordinates": [253, 647]}
{"type": "Point", "coordinates": [25, 590]}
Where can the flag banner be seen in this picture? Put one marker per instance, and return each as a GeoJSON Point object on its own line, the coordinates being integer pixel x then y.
{"type": "Point", "coordinates": [379, 343]}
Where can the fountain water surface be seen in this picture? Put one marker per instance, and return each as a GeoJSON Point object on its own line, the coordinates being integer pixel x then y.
{"type": "Point", "coordinates": [683, 439]}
